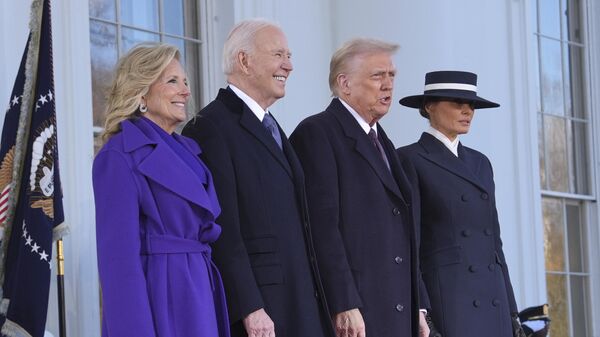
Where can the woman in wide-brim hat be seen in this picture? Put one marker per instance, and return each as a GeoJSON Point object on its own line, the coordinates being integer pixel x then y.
{"type": "Point", "coordinates": [462, 263]}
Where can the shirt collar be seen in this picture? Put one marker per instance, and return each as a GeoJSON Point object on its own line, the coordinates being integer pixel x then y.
{"type": "Point", "coordinates": [250, 102]}
{"type": "Point", "coordinates": [451, 145]}
{"type": "Point", "coordinates": [363, 124]}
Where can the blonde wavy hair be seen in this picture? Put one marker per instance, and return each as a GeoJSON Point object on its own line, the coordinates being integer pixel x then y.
{"type": "Point", "coordinates": [134, 74]}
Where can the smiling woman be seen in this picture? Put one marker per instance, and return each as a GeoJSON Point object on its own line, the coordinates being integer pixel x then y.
{"type": "Point", "coordinates": [155, 207]}
{"type": "Point", "coordinates": [166, 100]}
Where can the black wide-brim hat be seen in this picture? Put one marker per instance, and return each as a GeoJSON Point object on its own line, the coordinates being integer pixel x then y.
{"type": "Point", "coordinates": [449, 84]}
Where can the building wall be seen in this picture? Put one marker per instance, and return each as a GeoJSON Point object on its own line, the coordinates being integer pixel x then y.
{"type": "Point", "coordinates": [492, 38]}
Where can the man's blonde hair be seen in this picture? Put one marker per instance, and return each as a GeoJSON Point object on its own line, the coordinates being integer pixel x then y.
{"type": "Point", "coordinates": [342, 58]}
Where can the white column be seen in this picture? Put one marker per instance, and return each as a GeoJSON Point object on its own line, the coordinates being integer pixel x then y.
{"type": "Point", "coordinates": [72, 74]}
{"type": "Point", "coordinates": [527, 258]}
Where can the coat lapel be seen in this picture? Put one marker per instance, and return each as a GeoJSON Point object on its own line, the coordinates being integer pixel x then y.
{"type": "Point", "coordinates": [296, 167]}
{"type": "Point", "coordinates": [250, 122]}
{"type": "Point", "coordinates": [395, 166]}
{"type": "Point", "coordinates": [160, 164]}
{"type": "Point", "coordinates": [466, 167]}
{"type": "Point", "coordinates": [364, 146]}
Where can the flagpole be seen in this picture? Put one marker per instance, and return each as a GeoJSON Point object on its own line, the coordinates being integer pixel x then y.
{"type": "Point", "coordinates": [60, 285]}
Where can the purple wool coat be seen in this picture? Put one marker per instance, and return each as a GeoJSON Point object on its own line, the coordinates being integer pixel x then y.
{"type": "Point", "coordinates": [154, 222]}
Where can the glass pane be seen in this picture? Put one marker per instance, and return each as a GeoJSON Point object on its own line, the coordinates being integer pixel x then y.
{"type": "Point", "coordinates": [551, 77]}
{"type": "Point", "coordinates": [103, 51]}
{"type": "Point", "coordinates": [557, 298]}
{"type": "Point", "coordinates": [579, 305]}
{"type": "Point", "coordinates": [131, 37]}
{"type": "Point", "coordinates": [571, 21]}
{"type": "Point", "coordinates": [192, 26]}
{"type": "Point", "coordinates": [542, 153]}
{"type": "Point", "coordinates": [103, 9]}
{"type": "Point", "coordinates": [173, 16]}
{"type": "Point", "coordinates": [578, 158]}
{"type": "Point", "coordinates": [554, 234]}
{"type": "Point", "coordinates": [557, 166]}
{"type": "Point", "coordinates": [140, 13]}
{"type": "Point", "coordinates": [190, 58]}
{"type": "Point", "coordinates": [574, 84]}
{"type": "Point", "coordinates": [575, 238]}
{"type": "Point", "coordinates": [549, 17]}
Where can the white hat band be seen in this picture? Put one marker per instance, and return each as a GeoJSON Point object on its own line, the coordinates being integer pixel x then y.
{"type": "Point", "coordinates": [454, 86]}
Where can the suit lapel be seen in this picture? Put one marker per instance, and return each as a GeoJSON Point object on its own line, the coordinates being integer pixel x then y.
{"type": "Point", "coordinates": [472, 162]}
{"type": "Point", "coordinates": [466, 167]}
{"type": "Point", "coordinates": [364, 146]}
{"type": "Point", "coordinates": [161, 165]}
{"type": "Point", "coordinates": [250, 123]}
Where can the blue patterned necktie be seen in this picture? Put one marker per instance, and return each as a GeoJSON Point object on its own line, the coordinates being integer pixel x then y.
{"type": "Point", "coordinates": [269, 123]}
{"type": "Point", "coordinates": [377, 144]}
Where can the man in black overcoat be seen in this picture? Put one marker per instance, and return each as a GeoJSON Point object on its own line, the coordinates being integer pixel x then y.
{"type": "Point", "coordinates": [360, 200]}
{"type": "Point", "coordinates": [265, 253]}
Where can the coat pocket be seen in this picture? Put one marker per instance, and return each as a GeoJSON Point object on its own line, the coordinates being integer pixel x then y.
{"type": "Point", "coordinates": [441, 257]}
{"type": "Point", "coordinates": [264, 259]}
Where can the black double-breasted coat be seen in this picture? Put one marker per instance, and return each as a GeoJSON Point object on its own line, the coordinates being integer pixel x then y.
{"type": "Point", "coordinates": [462, 261]}
{"type": "Point", "coordinates": [265, 253]}
{"type": "Point", "coordinates": [362, 221]}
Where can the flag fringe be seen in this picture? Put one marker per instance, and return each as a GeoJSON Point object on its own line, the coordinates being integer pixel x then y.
{"type": "Point", "coordinates": [4, 306]}
{"type": "Point", "coordinates": [59, 231]}
{"type": "Point", "coordinates": [12, 329]}
{"type": "Point", "coordinates": [24, 121]}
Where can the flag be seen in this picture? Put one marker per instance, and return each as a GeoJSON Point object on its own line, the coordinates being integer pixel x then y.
{"type": "Point", "coordinates": [31, 212]}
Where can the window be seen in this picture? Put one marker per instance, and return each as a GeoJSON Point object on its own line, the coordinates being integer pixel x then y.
{"type": "Point", "coordinates": [565, 165]}
{"type": "Point", "coordinates": [117, 25]}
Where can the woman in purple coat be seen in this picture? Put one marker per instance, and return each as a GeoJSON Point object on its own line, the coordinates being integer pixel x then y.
{"type": "Point", "coordinates": [155, 208]}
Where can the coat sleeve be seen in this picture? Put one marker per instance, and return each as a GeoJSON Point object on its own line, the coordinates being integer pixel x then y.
{"type": "Point", "coordinates": [500, 252]}
{"type": "Point", "coordinates": [125, 302]}
{"type": "Point", "coordinates": [412, 175]}
{"type": "Point", "coordinates": [229, 251]}
{"type": "Point", "coordinates": [320, 168]}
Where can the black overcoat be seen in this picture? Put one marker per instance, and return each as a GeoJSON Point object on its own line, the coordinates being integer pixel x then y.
{"type": "Point", "coordinates": [362, 221]}
{"type": "Point", "coordinates": [462, 261]}
{"type": "Point", "coordinates": [265, 253]}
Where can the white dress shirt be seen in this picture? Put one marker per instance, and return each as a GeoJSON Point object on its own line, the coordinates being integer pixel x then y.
{"type": "Point", "coordinates": [363, 124]}
{"type": "Point", "coordinates": [452, 145]}
{"type": "Point", "coordinates": [250, 102]}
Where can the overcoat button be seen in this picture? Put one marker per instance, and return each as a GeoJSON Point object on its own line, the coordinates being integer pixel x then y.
{"type": "Point", "coordinates": [399, 307]}
{"type": "Point", "coordinates": [398, 259]}
{"type": "Point", "coordinates": [464, 197]}
{"type": "Point", "coordinates": [396, 211]}
{"type": "Point", "coordinates": [466, 233]}
{"type": "Point", "coordinates": [491, 267]}
{"type": "Point", "coordinates": [496, 303]}
{"type": "Point", "coordinates": [476, 303]}
{"type": "Point", "coordinates": [488, 232]}
{"type": "Point", "coordinates": [484, 196]}
{"type": "Point", "coordinates": [472, 269]}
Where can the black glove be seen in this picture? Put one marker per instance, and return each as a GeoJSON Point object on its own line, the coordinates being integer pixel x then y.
{"type": "Point", "coordinates": [433, 332]}
{"type": "Point", "coordinates": [517, 328]}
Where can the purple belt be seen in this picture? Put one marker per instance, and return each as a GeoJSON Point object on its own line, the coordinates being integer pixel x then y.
{"type": "Point", "coordinates": [168, 244]}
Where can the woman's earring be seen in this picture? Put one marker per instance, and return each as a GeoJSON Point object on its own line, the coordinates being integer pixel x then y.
{"type": "Point", "coordinates": [143, 108]}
